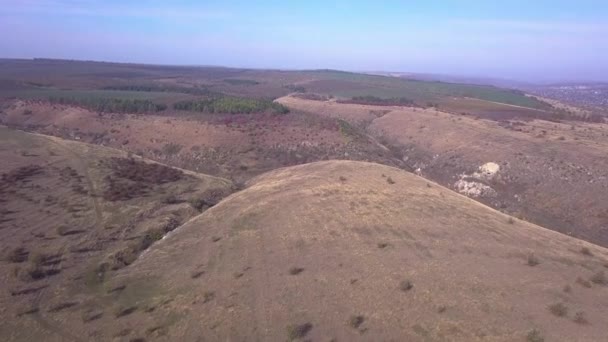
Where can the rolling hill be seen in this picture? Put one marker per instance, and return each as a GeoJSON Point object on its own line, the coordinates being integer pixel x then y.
{"type": "Point", "coordinates": [344, 250]}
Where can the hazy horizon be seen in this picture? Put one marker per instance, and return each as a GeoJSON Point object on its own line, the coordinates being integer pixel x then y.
{"type": "Point", "coordinates": [545, 41]}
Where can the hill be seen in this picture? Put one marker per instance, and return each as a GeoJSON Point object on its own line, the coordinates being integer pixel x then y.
{"type": "Point", "coordinates": [71, 215]}
{"type": "Point", "coordinates": [344, 251]}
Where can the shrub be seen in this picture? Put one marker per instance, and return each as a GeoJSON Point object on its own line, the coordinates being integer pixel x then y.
{"type": "Point", "coordinates": [298, 331]}
{"type": "Point", "coordinates": [583, 282]}
{"type": "Point", "coordinates": [356, 321]}
{"type": "Point", "coordinates": [389, 180]}
{"type": "Point", "coordinates": [296, 270]}
{"type": "Point", "coordinates": [406, 285]}
{"type": "Point", "coordinates": [586, 251]}
{"type": "Point", "coordinates": [172, 148]}
{"type": "Point", "coordinates": [535, 336]}
{"type": "Point", "coordinates": [558, 309]}
{"type": "Point", "coordinates": [580, 318]}
{"type": "Point", "coordinates": [533, 260]}
{"type": "Point", "coordinates": [17, 255]}
{"type": "Point", "coordinates": [599, 278]}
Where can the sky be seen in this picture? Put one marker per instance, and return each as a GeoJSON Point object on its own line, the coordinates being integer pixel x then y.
{"type": "Point", "coordinates": [532, 40]}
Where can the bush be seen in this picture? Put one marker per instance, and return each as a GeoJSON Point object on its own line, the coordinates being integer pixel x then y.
{"type": "Point", "coordinates": [533, 260]}
{"type": "Point", "coordinates": [17, 255]}
{"type": "Point", "coordinates": [406, 285]}
{"type": "Point", "coordinates": [580, 318]}
{"type": "Point", "coordinates": [298, 331]}
{"type": "Point", "coordinates": [535, 336]}
{"type": "Point", "coordinates": [586, 251]}
{"type": "Point", "coordinates": [356, 321]}
{"type": "Point", "coordinates": [558, 309]}
{"type": "Point", "coordinates": [599, 278]}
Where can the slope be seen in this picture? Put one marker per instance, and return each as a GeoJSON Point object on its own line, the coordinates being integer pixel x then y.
{"type": "Point", "coordinates": [345, 251]}
{"type": "Point", "coordinates": [71, 215]}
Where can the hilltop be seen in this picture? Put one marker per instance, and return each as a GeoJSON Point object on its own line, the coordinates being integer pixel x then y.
{"type": "Point", "coordinates": [355, 251]}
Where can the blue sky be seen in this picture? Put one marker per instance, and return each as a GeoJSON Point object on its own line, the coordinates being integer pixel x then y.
{"type": "Point", "coordinates": [529, 40]}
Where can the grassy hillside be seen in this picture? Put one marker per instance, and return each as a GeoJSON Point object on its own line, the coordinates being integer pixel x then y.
{"type": "Point", "coordinates": [72, 214]}
{"type": "Point", "coordinates": [359, 251]}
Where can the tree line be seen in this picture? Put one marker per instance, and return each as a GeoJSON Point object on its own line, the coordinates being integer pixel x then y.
{"type": "Point", "coordinates": [232, 105]}
{"type": "Point", "coordinates": [110, 105]}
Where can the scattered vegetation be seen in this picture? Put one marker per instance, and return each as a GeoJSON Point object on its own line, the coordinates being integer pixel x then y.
{"type": "Point", "coordinates": [207, 199]}
{"type": "Point", "coordinates": [131, 178]}
{"type": "Point", "coordinates": [535, 336]}
{"type": "Point", "coordinates": [295, 332]}
{"type": "Point", "coordinates": [558, 309]}
{"type": "Point", "coordinates": [171, 149]}
{"type": "Point", "coordinates": [110, 105]}
{"type": "Point", "coordinates": [231, 105]}
{"type": "Point", "coordinates": [129, 254]}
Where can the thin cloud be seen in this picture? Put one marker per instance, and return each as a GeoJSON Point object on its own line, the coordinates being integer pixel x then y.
{"type": "Point", "coordinates": [97, 8]}
{"type": "Point", "coordinates": [534, 26]}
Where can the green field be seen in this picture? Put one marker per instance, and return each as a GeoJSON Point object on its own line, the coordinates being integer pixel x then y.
{"type": "Point", "coordinates": [349, 85]}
